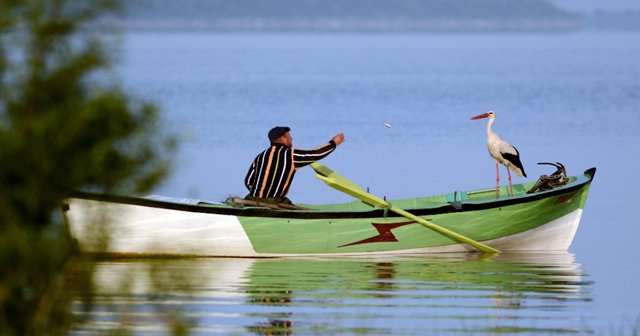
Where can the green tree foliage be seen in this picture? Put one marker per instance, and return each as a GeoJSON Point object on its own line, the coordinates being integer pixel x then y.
{"type": "Point", "coordinates": [63, 127]}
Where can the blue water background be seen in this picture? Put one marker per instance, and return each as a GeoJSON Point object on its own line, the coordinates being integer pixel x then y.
{"type": "Point", "coordinates": [572, 98]}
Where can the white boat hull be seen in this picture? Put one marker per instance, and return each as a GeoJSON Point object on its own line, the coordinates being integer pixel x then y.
{"type": "Point", "coordinates": [128, 229]}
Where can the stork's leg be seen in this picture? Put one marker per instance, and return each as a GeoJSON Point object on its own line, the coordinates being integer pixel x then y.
{"type": "Point", "coordinates": [497, 180]}
{"type": "Point", "coordinates": [510, 187]}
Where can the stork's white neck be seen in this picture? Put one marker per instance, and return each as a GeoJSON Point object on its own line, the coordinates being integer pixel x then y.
{"type": "Point", "coordinates": [489, 125]}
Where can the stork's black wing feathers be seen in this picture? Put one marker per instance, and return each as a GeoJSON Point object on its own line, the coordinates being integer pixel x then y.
{"type": "Point", "coordinates": [515, 160]}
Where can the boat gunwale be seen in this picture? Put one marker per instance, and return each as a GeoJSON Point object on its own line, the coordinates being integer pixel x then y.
{"type": "Point", "coordinates": [222, 209]}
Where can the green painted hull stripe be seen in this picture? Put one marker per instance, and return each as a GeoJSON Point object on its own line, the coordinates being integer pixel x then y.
{"type": "Point", "coordinates": [288, 235]}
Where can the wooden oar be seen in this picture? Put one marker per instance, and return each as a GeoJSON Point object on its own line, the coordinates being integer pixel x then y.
{"type": "Point", "coordinates": [339, 182]}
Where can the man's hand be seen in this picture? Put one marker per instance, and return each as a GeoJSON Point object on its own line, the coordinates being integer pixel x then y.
{"type": "Point", "coordinates": [338, 139]}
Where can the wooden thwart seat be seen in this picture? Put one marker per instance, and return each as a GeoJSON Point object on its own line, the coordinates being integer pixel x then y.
{"type": "Point", "coordinates": [237, 201]}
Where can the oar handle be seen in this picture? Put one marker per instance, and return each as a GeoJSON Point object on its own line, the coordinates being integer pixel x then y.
{"type": "Point", "coordinates": [456, 236]}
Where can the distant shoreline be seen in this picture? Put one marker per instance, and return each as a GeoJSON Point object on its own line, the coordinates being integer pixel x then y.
{"type": "Point", "coordinates": [440, 16]}
{"type": "Point", "coordinates": [357, 25]}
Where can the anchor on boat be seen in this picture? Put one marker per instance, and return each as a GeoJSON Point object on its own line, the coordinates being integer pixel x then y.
{"type": "Point", "coordinates": [548, 182]}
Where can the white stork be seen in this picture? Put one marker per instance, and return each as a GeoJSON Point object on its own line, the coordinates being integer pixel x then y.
{"type": "Point", "coordinates": [501, 151]}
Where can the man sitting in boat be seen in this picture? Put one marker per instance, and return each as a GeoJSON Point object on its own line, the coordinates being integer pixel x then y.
{"type": "Point", "coordinates": [272, 171]}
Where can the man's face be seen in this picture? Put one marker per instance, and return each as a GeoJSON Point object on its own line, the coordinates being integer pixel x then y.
{"type": "Point", "coordinates": [287, 140]}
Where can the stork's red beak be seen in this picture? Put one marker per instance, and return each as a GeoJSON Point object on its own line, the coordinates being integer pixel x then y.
{"type": "Point", "coordinates": [480, 116]}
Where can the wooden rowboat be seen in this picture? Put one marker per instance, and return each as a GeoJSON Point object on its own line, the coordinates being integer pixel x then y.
{"type": "Point", "coordinates": [544, 220]}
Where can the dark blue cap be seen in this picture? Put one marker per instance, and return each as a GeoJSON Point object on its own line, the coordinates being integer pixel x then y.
{"type": "Point", "coordinates": [277, 132]}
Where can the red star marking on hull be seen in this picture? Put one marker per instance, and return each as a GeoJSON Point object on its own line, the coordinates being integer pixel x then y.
{"type": "Point", "coordinates": [565, 198]}
{"type": "Point", "coordinates": [384, 234]}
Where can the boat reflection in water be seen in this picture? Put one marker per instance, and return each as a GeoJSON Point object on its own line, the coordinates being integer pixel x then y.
{"type": "Point", "coordinates": [446, 293]}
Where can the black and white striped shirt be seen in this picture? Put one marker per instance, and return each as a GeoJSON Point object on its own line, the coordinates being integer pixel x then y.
{"type": "Point", "coordinates": [272, 171]}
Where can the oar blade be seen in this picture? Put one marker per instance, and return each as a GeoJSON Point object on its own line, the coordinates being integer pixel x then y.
{"type": "Point", "coordinates": [355, 192]}
{"type": "Point", "coordinates": [340, 183]}
{"type": "Point", "coordinates": [322, 170]}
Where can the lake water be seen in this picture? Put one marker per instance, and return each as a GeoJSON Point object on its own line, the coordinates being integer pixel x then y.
{"type": "Point", "coordinates": [572, 98]}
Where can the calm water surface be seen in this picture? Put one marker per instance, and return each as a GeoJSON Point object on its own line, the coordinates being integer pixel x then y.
{"type": "Point", "coordinates": [443, 294]}
{"type": "Point", "coordinates": [573, 98]}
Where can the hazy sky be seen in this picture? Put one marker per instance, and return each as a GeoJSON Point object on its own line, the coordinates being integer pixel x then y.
{"type": "Point", "coordinates": [594, 5]}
